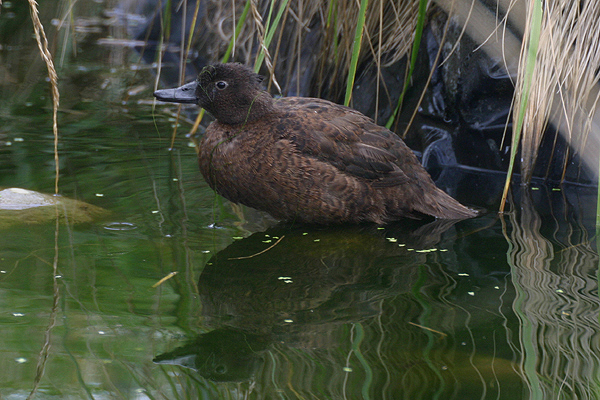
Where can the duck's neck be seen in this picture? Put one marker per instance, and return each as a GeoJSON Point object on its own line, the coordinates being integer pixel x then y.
{"type": "Point", "coordinates": [258, 106]}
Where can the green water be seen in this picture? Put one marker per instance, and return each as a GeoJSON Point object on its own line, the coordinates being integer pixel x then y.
{"type": "Point", "coordinates": [490, 308]}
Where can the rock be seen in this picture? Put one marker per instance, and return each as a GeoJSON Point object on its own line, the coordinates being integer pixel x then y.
{"type": "Point", "coordinates": [29, 207]}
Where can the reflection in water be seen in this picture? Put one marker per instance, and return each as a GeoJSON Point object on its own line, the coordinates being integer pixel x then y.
{"type": "Point", "coordinates": [341, 313]}
{"type": "Point", "coordinates": [556, 302]}
{"type": "Point", "coordinates": [222, 355]}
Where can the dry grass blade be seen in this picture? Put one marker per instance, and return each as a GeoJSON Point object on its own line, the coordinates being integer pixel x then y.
{"type": "Point", "coordinates": [164, 279]}
{"type": "Point", "coordinates": [260, 252]}
{"type": "Point", "coordinates": [42, 41]}
{"type": "Point", "coordinates": [428, 329]}
{"type": "Point", "coordinates": [264, 43]}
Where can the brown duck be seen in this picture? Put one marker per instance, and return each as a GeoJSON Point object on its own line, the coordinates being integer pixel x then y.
{"type": "Point", "coordinates": [306, 159]}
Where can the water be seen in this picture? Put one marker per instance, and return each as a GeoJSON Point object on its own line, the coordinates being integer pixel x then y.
{"type": "Point", "coordinates": [490, 308]}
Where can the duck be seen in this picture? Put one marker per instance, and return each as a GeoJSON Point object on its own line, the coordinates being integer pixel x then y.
{"type": "Point", "coordinates": [305, 159]}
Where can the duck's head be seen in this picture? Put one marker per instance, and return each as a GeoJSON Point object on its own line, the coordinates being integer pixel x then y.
{"type": "Point", "coordinates": [231, 93]}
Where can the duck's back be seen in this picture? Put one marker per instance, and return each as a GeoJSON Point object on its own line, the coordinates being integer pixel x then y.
{"type": "Point", "coordinates": [319, 162]}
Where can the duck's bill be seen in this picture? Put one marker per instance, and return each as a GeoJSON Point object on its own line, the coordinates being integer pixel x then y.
{"type": "Point", "coordinates": [182, 94]}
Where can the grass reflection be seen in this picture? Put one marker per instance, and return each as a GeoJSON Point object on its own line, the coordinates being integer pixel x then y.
{"type": "Point", "coordinates": [556, 302]}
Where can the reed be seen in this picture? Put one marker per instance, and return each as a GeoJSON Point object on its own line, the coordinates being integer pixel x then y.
{"type": "Point", "coordinates": [530, 47]}
{"type": "Point", "coordinates": [358, 35]}
{"type": "Point", "coordinates": [413, 59]}
{"type": "Point", "coordinates": [344, 34]}
{"type": "Point", "coordinates": [382, 24]}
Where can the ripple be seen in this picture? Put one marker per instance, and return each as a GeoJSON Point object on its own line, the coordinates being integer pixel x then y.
{"type": "Point", "coordinates": [120, 226]}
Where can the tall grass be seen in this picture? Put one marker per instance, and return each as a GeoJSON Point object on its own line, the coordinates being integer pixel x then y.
{"type": "Point", "coordinates": [565, 76]}
{"type": "Point", "coordinates": [352, 32]}
{"type": "Point", "coordinates": [345, 34]}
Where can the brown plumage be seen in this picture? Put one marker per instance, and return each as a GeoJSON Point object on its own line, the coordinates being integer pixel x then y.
{"type": "Point", "coordinates": [306, 159]}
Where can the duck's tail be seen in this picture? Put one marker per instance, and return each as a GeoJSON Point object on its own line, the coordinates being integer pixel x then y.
{"type": "Point", "coordinates": [441, 205]}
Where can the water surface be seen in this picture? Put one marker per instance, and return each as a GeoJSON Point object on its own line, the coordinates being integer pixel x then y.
{"type": "Point", "coordinates": [490, 308]}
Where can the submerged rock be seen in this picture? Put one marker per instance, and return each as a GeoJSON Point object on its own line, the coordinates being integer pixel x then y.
{"type": "Point", "coordinates": [27, 206]}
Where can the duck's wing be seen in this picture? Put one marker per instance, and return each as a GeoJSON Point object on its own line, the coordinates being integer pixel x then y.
{"type": "Point", "coordinates": [346, 139]}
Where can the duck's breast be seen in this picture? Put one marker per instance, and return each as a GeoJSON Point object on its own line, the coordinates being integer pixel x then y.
{"type": "Point", "coordinates": [238, 163]}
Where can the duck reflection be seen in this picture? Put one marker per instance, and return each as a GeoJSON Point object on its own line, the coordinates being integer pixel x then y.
{"type": "Point", "coordinates": [299, 288]}
{"type": "Point", "coordinates": [222, 355]}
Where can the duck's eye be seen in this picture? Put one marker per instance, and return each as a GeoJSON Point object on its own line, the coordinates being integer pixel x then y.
{"type": "Point", "coordinates": [221, 85]}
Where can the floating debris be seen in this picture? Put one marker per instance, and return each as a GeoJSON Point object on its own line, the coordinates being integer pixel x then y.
{"type": "Point", "coordinates": [120, 226]}
{"type": "Point", "coordinates": [166, 278]}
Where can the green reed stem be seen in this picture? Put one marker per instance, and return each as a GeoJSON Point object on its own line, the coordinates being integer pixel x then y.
{"type": "Point", "coordinates": [270, 31]}
{"type": "Point", "coordinates": [413, 59]}
{"type": "Point", "coordinates": [236, 33]}
{"type": "Point", "coordinates": [360, 26]}
{"type": "Point", "coordinates": [534, 39]}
